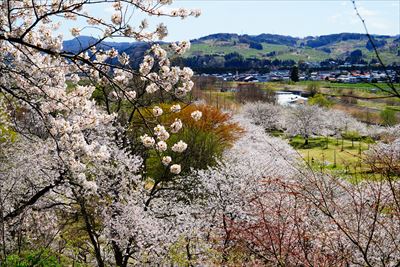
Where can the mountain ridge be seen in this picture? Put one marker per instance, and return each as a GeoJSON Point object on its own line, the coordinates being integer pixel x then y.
{"type": "Point", "coordinates": [232, 50]}
{"type": "Point", "coordinates": [82, 41]}
{"type": "Point", "coordinates": [352, 48]}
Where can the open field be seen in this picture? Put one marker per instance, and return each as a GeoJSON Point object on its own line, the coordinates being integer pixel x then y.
{"type": "Point", "coordinates": [332, 153]}
{"type": "Point", "coordinates": [361, 89]}
{"type": "Point", "coordinates": [341, 156]}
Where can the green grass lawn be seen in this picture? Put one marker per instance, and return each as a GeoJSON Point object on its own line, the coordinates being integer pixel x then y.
{"type": "Point", "coordinates": [283, 52]}
{"type": "Point", "coordinates": [333, 154]}
{"type": "Point", "coordinates": [327, 84]}
{"type": "Point", "coordinates": [360, 89]}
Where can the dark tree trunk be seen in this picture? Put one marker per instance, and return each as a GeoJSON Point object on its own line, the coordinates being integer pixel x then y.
{"type": "Point", "coordinates": [90, 230]}
{"type": "Point", "coordinates": [119, 258]}
{"type": "Point", "coordinates": [306, 140]}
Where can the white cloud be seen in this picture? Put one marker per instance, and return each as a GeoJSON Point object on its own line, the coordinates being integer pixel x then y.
{"type": "Point", "coordinates": [375, 21]}
{"type": "Point", "coordinates": [365, 12]}
{"type": "Point", "coordinates": [335, 18]}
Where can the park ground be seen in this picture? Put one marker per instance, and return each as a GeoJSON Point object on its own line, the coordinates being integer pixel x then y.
{"type": "Point", "coordinates": [323, 153]}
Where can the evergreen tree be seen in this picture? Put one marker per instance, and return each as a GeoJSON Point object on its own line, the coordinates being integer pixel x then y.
{"type": "Point", "coordinates": [294, 74]}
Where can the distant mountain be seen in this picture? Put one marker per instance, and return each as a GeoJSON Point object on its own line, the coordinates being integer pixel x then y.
{"type": "Point", "coordinates": [233, 51]}
{"type": "Point", "coordinates": [311, 48]}
{"type": "Point", "coordinates": [82, 42]}
{"type": "Point", "coordinates": [78, 44]}
{"type": "Point", "coordinates": [135, 49]}
{"type": "Point", "coordinates": [267, 38]}
{"type": "Point", "coordinates": [266, 51]}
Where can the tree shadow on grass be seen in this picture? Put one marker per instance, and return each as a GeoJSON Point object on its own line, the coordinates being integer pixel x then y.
{"type": "Point", "coordinates": [300, 143]}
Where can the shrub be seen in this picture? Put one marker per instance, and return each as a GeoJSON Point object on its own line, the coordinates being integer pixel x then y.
{"type": "Point", "coordinates": [257, 46]}
{"type": "Point", "coordinates": [388, 117]}
{"type": "Point", "coordinates": [313, 89]}
{"type": "Point", "coordinates": [206, 139]}
{"type": "Point", "coordinates": [320, 100]}
{"type": "Point", "coordinates": [39, 258]}
{"type": "Point", "coordinates": [254, 92]}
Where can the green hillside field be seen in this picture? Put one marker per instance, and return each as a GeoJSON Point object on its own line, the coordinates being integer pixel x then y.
{"type": "Point", "coordinates": [299, 51]}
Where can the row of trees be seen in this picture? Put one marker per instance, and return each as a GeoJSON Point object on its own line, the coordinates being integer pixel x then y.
{"type": "Point", "coordinates": [230, 62]}
{"type": "Point", "coordinates": [307, 120]}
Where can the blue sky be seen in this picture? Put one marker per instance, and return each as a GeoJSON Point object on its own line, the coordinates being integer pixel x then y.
{"type": "Point", "coordinates": [296, 18]}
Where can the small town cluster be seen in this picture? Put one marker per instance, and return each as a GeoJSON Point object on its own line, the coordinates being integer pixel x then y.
{"type": "Point", "coordinates": [339, 76]}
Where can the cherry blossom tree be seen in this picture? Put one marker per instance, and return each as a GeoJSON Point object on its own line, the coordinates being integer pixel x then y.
{"type": "Point", "coordinates": [271, 210]}
{"type": "Point", "coordinates": [303, 120]}
{"type": "Point", "coordinates": [69, 157]}
{"type": "Point", "coordinates": [306, 120]}
{"type": "Point", "coordinates": [229, 187]}
{"type": "Point", "coordinates": [385, 158]}
{"type": "Point", "coordinates": [268, 115]}
{"type": "Point", "coordinates": [362, 218]}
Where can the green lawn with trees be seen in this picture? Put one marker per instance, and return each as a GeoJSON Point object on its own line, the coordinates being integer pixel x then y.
{"type": "Point", "coordinates": [334, 153]}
